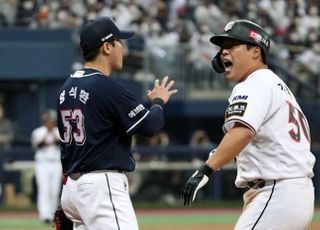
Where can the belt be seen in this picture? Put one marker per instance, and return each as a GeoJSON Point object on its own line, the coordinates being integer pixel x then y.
{"type": "Point", "coordinates": [260, 183]}
{"type": "Point", "coordinates": [77, 175]}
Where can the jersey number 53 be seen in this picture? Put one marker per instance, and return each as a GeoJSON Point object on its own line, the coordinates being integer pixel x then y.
{"type": "Point", "coordinates": [74, 128]}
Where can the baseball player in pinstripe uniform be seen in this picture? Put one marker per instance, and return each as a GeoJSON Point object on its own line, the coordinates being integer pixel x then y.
{"type": "Point", "coordinates": [97, 116]}
{"type": "Point", "coordinates": [266, 131]}
{"type": "Point", "coordinates": [45, 140]}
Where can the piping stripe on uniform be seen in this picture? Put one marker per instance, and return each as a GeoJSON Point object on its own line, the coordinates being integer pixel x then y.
{"type": "Point", "coordinates": [110, 195]}
{"type": "Point", "coordinates": [234, 120]}
{"type": "Point", "coordinates": [135, 124]}
{"type": "Point", "coordinates": [86, 75]}
{"type": "Point", "coordinates": [255, 224]}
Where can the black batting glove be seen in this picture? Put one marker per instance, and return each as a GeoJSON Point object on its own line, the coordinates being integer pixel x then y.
{"type": "Point", "coordinates": [195, 182]}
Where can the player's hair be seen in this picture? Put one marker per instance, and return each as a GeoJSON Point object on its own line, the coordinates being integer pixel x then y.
{"type": "Point", "coordinates": [91, 55]}
{"type": "Point", "coordinates": [249, 46]}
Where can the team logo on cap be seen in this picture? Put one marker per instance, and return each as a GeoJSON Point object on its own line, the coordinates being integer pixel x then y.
{"type": "Point", "coordinates": [258, 38]}
{"type": "Point", "coordinates": [106, 37]}
{"type": "Point", "coordinates": [229, 26]}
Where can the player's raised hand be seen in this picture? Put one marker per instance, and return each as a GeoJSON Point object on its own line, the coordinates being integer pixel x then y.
{"type": "Point", "coordinates": [162, 90]}
{"type": "Point", "coordinates": [195, 182]}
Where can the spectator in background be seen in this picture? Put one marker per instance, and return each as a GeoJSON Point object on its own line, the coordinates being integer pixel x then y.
{"type": "Point", "coordinates": [201, 146]}
{"type": "Point", "coordinates": [293, 22]}
{"type": "Point", "coordinates": [308, 65]}
{"type": "Point", "coordinates": [7, 12]}
{"type": "Point", "coordinates": [200, 138]}
{"type": "Point", "coordinates": [48, 170]}
{"type": "Point", "coordinates": [135, 46]}
{"type": "Point", "coordinates": [6, 130]}
{"type": "Point", "coordinates": [160, 140]}
{"type": "Point", "coordinates": [26, 11]}
{"type": "Point", "coordinates": [143, 182]}
{"type": "Point", "coordinates": [209, 13]}
{"type": "Point", "coordinates": [161, 186]}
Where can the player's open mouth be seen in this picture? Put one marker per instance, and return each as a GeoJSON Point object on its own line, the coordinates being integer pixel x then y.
{"type": "Point", "coordinates": [227, 64]}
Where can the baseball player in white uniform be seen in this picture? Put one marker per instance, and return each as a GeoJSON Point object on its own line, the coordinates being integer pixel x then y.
{"type": "Point", "coordinates": [265, 131]}
{"type": "Point", "coordinates": [48, 169]}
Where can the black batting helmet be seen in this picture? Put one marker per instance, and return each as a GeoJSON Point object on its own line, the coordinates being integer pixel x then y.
{"type": "Point", "coordinates": [245, 31]}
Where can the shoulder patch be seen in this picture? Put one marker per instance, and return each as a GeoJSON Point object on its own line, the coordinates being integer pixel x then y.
{"type": "Point", "coordinates": [236, 109]}
{"type": "Point", "coordinates": [240, 97]}
{"type": "Point", "coordinates": [136, 110]}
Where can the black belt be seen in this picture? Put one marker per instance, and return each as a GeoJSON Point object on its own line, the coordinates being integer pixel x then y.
{"type": "Point", "coordinates": [77, 175]}
{"type": "Point", "coordinates": [260, 183]}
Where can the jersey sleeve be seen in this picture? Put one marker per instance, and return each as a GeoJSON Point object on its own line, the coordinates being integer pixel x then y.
{"type": "Point", "coordinates": [129, 112]}
{"type": "Point", "coordinates": [248, 104]}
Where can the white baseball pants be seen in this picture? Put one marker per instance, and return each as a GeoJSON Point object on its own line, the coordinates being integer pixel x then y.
{"type": "Point", "coordinates": [99, 201]}
{"type": "Point", "coordinates": [286, 205]}
{"type": "Point", "coordinates": [48, 177]}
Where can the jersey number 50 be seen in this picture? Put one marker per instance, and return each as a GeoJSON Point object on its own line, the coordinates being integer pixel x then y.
{"type": "Point", "coordinates": [73, 122]}
{"type": "Point", "coordinates": [299, 121]}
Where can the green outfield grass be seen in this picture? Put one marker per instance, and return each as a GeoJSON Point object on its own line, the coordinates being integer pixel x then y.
{"type": "Point", "coordinates": [190, 220]}
{"type": "Point", "coordinates": [147, 221]}
{"type": "Point", "coordinates": [144, 222]}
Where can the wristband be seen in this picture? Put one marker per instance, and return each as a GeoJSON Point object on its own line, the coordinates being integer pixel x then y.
{"type": "Point", "coordinates": [158, 101]}
{"type": "Point", "coordinates": [206, 170]}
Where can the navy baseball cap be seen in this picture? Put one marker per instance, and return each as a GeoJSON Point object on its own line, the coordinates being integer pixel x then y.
{"type": "Point", "coordinates": [100, 30]}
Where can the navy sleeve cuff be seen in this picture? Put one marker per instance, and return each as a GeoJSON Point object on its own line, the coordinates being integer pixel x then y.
{"type": "Point", "coordinates": [158, 101]}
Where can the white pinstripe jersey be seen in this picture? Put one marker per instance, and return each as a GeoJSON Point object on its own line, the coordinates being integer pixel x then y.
{"type": "Point", "coordinates": [281, 147]}
{"type": "Point", "coordinates": [51, 150]}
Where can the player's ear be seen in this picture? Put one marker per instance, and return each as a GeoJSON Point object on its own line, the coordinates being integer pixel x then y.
{"type": "Point", "coordinates": [257, 52]}
{"type": "Point", "coordinates": [106, 47]}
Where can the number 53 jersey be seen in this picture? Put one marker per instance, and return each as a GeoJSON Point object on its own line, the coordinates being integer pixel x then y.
{"type": "Point", "coordinates": [97, 117]}
{"type": "Point", "coordinates": [281, 146]}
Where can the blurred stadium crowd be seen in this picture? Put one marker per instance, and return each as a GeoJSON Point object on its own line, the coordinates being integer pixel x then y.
{"type": "Point", "coordinates": [293, 24]}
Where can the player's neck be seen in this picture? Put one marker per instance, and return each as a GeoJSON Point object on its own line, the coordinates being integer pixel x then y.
{"type": "Point", "coordinates": [252, 69]}
{"type": "Point", "coordinates": [99, 67]}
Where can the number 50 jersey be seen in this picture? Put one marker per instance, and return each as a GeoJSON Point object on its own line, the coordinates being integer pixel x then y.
{"type": "Point", "coordinates": [281, 147]}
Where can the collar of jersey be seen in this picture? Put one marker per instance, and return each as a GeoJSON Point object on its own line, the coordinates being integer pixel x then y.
{"type": "Point", "coordinates": [86, 72]}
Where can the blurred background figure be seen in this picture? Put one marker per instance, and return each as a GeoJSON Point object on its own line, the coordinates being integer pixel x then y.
{"type": "Point", "coordinates": [48, 171]}
{"type": "Point", "coordinates": [201, 140]}
{"type": "Point", "coordinates": [170, 180]}
{"type": "Point", "coordinates": [160, 140]}
{"type": "Point", "coordinates": [6, 130]}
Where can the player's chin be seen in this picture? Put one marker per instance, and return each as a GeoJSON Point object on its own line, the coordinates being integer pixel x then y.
{"type": "Point", "coordinates": [231, 77]}
{"type": "Point", "coordinates": [118, 66]}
